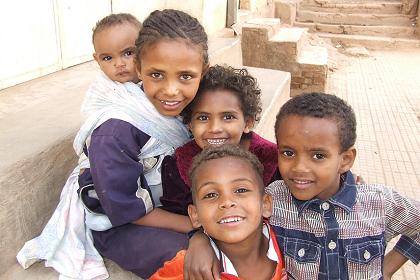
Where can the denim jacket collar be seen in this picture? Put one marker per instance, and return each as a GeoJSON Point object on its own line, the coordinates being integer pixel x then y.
{"type": "Point", "coordinates": [344, 198]}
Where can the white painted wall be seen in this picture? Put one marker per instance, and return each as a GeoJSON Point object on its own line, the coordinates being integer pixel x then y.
{"type": "Point", "coordinates": [43, 36]}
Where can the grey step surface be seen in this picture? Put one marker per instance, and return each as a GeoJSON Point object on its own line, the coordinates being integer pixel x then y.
{"type": "Point", "coordinates": [354, 19]}
{"type": "Point", "coordinates": [38, 121]}
{"type": "Point", "coordinates": [370, 42]}
{"type": "Point", "coordinates": [363, 7]}
{"type": "Point", "coordinates": [388, 31]}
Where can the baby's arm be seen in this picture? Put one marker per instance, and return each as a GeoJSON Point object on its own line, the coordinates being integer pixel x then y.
{"type": "Point", "coordinates": [402, 217]}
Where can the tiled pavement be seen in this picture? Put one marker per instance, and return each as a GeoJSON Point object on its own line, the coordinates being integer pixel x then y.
{"type": "Point", "coordinates": [384, 90]}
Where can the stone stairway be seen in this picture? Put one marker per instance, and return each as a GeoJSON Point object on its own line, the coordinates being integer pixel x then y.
{"type": "Point", "coordinates": [268, 44]}
{"type": "Point", "coordinates": [39, 120]}
{"type": "Point", "coordinates": [371, 23]}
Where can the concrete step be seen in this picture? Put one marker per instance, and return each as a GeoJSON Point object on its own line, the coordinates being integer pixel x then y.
{"type": "Point", "coordinates": [369, 42]}
{"type": "Point", "coordinates": [290, 40]}
{"type": "Point", "coordinates": [364, 7]}
{"type": "Point", "coordinates": [353, 19]}
{"type": "Point", "coordinates": [390, 31]}
{"type": "Point", "coordinates": [275, 88]}
{"type": "Point", "coordinates": [39, 272]}
{"type": "Point", "coordinates": [266, 37]}
{"type": "Point", "coordinates": [285, 50]}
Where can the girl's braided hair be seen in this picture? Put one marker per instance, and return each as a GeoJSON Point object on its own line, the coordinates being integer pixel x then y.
{"type": "Point", "coordinates": [171, 24]}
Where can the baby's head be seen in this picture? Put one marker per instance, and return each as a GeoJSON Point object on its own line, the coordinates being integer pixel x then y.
{"type": "Point", "coordinates": [226, 106]}
{"type": "Point", "coordinates": [228, 194]}
{"type": "Point", "coordinates": [114, 39]}
{"type": "Point", "coordinates": [171, 57]}
{"type": "Point", "coordinates": [315, 134]}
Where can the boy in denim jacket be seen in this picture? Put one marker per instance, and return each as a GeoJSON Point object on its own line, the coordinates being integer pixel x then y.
{"type": "Point", "coordinates": [327, 227]}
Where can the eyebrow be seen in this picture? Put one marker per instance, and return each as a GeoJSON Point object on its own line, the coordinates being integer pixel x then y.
{"type": "Point", "coordinates": [316, 149]}
{"type": "Point", "coordinates": [128, 49]}
{"type": "Point", "coordinates": [233, 181]}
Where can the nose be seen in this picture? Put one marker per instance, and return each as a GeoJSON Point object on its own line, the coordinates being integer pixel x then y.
{"type": "Point", "coordinates": [300, 164]}
{"type": "Point", "coordinates": [215, 125]}
{"type": "Point", "coordinates": [119, 62]}
{"type": "Point", "coordinates": [227, 202]}
{"type": "Point", "coordinates": [171, 88]}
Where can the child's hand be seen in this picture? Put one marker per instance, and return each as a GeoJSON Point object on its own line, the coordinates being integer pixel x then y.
{"type": "Point", "coordinates": [200, 262]}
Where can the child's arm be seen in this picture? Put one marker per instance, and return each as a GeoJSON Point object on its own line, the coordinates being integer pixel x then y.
{"type": "Point", "coordinates": [200, 261]}
{"type": "Point", "coordinates": [402, 217]}
{"type": "Point", "coordinates": [393, 261]}
{"type": "Point", "coordinates": [163, 219]}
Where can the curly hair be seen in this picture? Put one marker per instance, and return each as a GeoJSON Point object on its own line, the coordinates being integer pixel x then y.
{"type": "Point", "coordinates": [112, 20]}
{"type": "Point", "coordinates": [326, 106]}
{"type": "Point", "coordinates": [172, 24]}
{"type": "Point", "coordinates": [238, 81]}
{"type": "Point", "coordinates": [224, 151]}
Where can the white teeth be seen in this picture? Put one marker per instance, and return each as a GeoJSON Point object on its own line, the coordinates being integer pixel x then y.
{"type": "Point", "coordinates": [301, 181]}
{"type": "Point", "coordinates": [230, 220]}
{"type": "Point", "coordinates": [216, 141]}
{"type": "Point", "coordinates": [169, 103]}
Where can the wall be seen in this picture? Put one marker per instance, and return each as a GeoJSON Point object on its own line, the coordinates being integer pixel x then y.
{"type": "Point", "coordinates": [49, 35]}
{"type": "Point", "coordinates": [40, 37]}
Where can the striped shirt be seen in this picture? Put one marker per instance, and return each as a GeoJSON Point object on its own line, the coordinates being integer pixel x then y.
{"type": "Point", "coordinates": [345, 236]}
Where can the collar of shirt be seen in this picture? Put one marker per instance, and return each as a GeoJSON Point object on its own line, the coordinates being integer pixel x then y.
{"type": "Point", "coordinates": [344, 198]}
{"type": "Point", "coordinates": [227, 264]}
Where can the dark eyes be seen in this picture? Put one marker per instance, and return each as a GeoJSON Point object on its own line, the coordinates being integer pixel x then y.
{"type": "Point", "coordinates": [129, 53]}
{"type": "Point", "coordinates": [107, 58]}
{"type": "Point", "coordinates": [242, 190]}
{"type": "Point", "coordinates": [228, 117]}
{"type": "Point", "coordinates": [156, 75]}
{"type": "Point", "coordinates": [202, 118]}
{"type": "Point", "coordinates": [210, 195]}
{"type": "Point", "coordinates": [315, 156]}
{"type": "Point", "coordinates": [239, 190]}
{"type": "Point", "coordinates": [318, 156]}
{"type": "Point", "coordinates": [288, 153]}
{"type": "Point", "coordinates": [185, 77]}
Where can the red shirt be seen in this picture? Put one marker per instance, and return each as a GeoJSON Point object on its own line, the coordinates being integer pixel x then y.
{"type": "Point", "coordinates": [174, 269]}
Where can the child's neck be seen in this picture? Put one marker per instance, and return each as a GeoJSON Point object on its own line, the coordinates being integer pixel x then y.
{"type": "Point", "coordinates": [245, 142]}
{"type": "Point", "coordinates": [249, 257]}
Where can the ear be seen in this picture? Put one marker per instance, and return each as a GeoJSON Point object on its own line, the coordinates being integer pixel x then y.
{"type": "Point", "coordinates": [95, 57]}
{"type": "Point", "coordinates": [267, 205]}
{"type": "Point", "coordinates": [249, 124]}
{"type": "Point", "coordinates": [347, 160]}
{"type": "Point", "coordinates": [138, 73]}
{"type": "Point", "coordinates": [192, 212]}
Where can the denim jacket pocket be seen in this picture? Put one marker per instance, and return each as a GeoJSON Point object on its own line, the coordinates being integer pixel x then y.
{"type": "Point", "coordinates": [302, 258]}
{"type": "Point", "coordinates": [364, 260]}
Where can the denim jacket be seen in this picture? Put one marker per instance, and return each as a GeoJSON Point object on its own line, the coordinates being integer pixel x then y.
{"type": "Point", "coordinates": [345, 236]}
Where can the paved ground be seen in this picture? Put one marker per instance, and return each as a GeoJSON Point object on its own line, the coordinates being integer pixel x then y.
{"type": "Point", "coordinates": [384, 90]}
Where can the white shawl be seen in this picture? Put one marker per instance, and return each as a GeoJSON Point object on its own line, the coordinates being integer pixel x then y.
{"type": "Point", "coordinates": [66, 242]}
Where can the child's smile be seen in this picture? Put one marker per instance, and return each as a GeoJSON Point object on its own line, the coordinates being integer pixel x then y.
{"type": "Point", "coordinates": [229, 201]}
{"type": "Point", "coordinates": [217, 119]}
{"type": "Point", "coordinates": [310, 158]}
{"type": "Point", "coordinates": [171, 71]}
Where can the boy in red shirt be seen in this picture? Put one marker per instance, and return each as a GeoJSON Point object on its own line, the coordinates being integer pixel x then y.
{"type": "Point", "coordinates": [230, 205]}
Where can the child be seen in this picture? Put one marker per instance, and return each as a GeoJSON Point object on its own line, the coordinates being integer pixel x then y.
{"type": "Point", "coordinates": [130, 129]}
{"type": "Point", "coordinates": [224, 110]}
{"type": "Point", "coordinates": [328, 227]}
{"type": "Point", "coordinates": [230, 204]}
